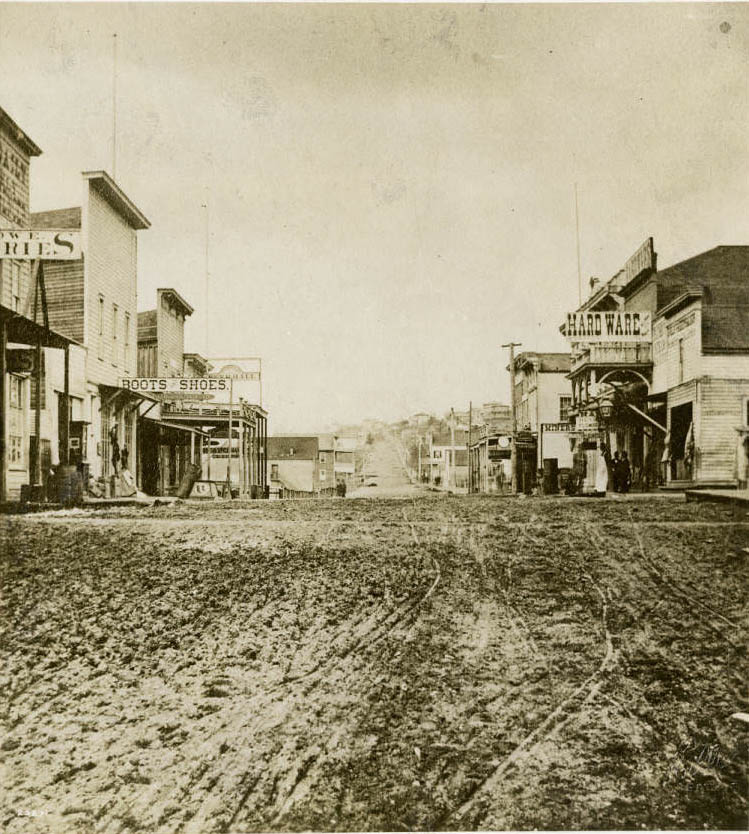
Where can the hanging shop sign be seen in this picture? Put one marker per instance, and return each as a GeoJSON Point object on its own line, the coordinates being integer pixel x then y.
{"type": "Point", "coordinates": [560, 427]}
{"type": "Point", "coordinates": [46, 244]}
{"type": "Point", "coordinates": [170, 385]}
{"type": "Point", "coordinates": [609, 326]}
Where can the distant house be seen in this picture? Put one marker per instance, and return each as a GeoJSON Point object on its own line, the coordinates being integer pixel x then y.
{"type": "Point", "coordinates": [294, 466]}
{"type": "Point", "coordinates": [326, 461]}
{"type": "Point", "coordinates": [345, 459]}
{"type": "Point", "coordinates": [448, 458]}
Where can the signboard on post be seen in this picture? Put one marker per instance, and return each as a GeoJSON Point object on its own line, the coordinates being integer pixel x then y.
{"type": "Point", "coordinates": [609, 326]}
{"type": "Point", "coordinates": [45, 244]}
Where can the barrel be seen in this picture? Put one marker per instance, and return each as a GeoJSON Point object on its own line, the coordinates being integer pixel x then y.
{"type": "Point", "coordinates": [69, 486]}
{"type": "Point", "coordinates": [551, 476]}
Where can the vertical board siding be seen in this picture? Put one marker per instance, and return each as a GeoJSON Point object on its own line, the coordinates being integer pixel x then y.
{"type": "Point", "coordinates": [721, 402]}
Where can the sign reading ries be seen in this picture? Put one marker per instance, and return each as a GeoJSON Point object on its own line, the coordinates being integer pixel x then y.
{"type": "Point", "coordinates": [47, 244]}
{"type": "Point", "coordinates": [609, 326]}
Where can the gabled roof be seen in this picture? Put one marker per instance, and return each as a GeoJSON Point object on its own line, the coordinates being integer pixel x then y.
{"type": "Point", "coordinates": [103, 184]}
{"type": "Point", "coordinates": [547, 362]}
{"type": "Point", "coordinates": [721, 275]}
{"type": "Point", "coordinates": [305, 447]}
{"type": "Point", "coordinates": [67, 218]}
{"type": "Point", "coordinates": [24, 140]}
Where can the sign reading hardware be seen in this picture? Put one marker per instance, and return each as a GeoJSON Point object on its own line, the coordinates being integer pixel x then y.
{"type": "Point", "coordinates": [616, 326]}
{"type": "Point", "coordinates": [172, 385]}
{"type": "Point", "coordinates": [47, 244]}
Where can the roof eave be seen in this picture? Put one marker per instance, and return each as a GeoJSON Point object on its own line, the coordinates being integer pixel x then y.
{"type": "Point", "coordinates": [116, 197]}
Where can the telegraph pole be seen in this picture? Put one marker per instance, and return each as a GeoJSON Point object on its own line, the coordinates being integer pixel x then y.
{"type": "Point", "coordinates": [470, 452]}
{"type": "Point", "coordinates": [514, 448]}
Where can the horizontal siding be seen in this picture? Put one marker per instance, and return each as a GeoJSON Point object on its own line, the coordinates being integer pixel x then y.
{"type": "Point", "coordinates": [726, 365]}
{"type": "Point", "coordinates": [63, 281]}
{"type": "Point", "coordinates": [720, 414]}
{"type": "Point", "coordinates": [682, 394]}
{"type": "Point", "coordinates": [111, 271]}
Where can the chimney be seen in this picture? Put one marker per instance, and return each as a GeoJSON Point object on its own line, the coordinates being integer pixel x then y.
{"type": "Point", "coordinates": [594, 282]}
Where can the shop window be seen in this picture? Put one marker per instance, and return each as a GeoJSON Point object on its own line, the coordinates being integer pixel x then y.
{"type": "Point", "coordinates": [565, 403]}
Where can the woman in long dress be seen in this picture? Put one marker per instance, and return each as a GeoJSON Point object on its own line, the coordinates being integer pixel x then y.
{"type": "Point", "coordinates": [602, 471]}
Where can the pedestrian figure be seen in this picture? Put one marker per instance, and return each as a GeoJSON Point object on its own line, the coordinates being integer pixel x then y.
{"type": "Point", "coordinates": [625, 473]}
{"type": "Point", "coordinates": [123, 457]}
{"type": "Point", "coordinates": [602, 470]}
{"type": "Point", "coordinates": [616, 471]}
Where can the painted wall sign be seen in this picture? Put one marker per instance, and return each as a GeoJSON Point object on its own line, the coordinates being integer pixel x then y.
{"type": "Point", "coordinates": [168, 385]}
{"type": "Point", "coordinates": [235, 372]}
{"type": "Point", "coordinates": [615, 326]}
{"type": "Point", "coordinates": [48, 244]}
{"type": "Point", "coordinates": [643, 258]}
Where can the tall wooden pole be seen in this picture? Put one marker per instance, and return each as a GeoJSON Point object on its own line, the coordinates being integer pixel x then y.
{"type": "Point", "coordinates": [514, 448]}
{"type": "Point", "coordinates": [231, 439]}
{"type": "Point", "coordinates": [470, 453]}
{"type": "Point", "coordinates": [3, 413]}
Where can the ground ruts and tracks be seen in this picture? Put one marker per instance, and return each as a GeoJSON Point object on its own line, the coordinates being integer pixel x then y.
{"type": "Point", "coordinates": [429, 662]}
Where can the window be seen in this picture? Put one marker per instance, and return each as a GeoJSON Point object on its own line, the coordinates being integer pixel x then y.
{"type": "Point", "coordinates": [323, 474]}
{"type": "Point", "coordinates": [16, 392]}
{"type": "Point", "coordinates": [15, 450]}
{"type": "Point", "coordinates": [681, 360]}
{"type": "Point", "coordinates": [565, 403]}
{"type": "Point", "coordinates": [322, 457]}
{"type": "Point", "coordinates": [101, 326]}
{"type": "Point", "coordinates": [291, 452]}
{"type": "Point", "coordinates": [115, 325]}
{"type": "Point", "coordinates": [274, 471]}
{"type": "Point", "coordinates": [126, 350]}
{"type": "Point", "coordinates": [15, 286]}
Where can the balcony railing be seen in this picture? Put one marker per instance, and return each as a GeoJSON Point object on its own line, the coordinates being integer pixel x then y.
{"type": "Point", "coordinates": [613, 355]}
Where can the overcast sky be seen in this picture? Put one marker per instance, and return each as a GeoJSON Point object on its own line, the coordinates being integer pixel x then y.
{"type": "Point", "coordinates": [390, 186]}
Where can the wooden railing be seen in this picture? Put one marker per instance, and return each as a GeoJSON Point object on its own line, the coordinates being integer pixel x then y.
{"type": "Point", "coordinates": [616, 354]}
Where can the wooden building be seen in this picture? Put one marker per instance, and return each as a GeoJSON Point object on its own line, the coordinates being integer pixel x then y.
{"type": "Point", "coordinates": [94, 301]}
{"type": "Point", "coordinates": [33, 353]}
{"type": "Point", "coordinates": [672, 391]}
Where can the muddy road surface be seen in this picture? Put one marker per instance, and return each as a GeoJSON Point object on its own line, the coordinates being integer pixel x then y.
{"type": "Point", "coordinates": [435, 662]}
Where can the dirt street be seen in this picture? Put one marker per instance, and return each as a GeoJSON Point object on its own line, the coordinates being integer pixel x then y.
{"type": "Point", "coordinates": [433, 662]}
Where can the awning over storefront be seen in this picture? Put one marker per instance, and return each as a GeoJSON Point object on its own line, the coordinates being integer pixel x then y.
{"type": "Point", "coordinates": [112, 393]}
{"type": "Point", "coordinates": [178, 426]}
{"type": "Point", "coordinates": [23, 330]}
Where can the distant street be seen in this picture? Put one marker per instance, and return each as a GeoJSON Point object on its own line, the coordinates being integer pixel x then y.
{"type": "Point", "coordinates": [444, 662]}
{"type": "Point", "coordinates": [385, 473]}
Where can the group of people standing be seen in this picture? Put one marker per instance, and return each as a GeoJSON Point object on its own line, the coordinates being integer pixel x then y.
{"type": "Point", "coordinates": [621, 472]}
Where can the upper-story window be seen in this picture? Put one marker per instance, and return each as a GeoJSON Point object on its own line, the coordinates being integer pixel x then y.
{"type": "Point", "coordinates": [115, 328]}
{"type": "Point", "coordinates": [565, 403]}
{"type": "Point", "coordinates": [126, 348]}
{"type": "Point", "coordinates": [15, 286]}
{"type": "Point", "coordinates": [681, 360]}
{"type": "Point", "coordinates": [322, 457]}
{"type": "Point", "coordinates": [100, 328]}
